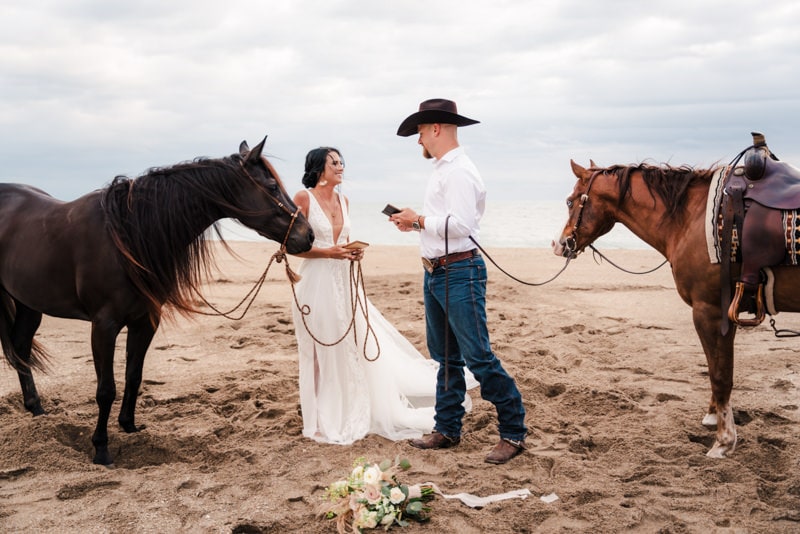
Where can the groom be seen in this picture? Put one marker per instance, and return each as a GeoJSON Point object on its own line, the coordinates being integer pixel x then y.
{"type": "Point", "coordinates": [455, 284]}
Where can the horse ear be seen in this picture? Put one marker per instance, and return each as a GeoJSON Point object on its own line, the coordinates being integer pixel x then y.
{"type": "Point", "coordinates": [592, 164]}
{"type": "Point", "coordinates": [577, 169]}
{"type": "Point", "coordinates": [243, 149]}
{"type": "Point", "coordinates": [254, 154]}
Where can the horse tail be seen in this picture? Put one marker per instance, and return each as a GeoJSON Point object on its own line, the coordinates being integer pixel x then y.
{"type": "Point", "coordinates": [38, 356]}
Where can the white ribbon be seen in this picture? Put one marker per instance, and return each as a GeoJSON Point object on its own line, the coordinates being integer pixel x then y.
{"type": "Point", "coordinates": [473, 501]}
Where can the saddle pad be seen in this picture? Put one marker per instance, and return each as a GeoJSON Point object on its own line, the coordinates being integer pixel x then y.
{"type": "Point", "coordinates": [791, 226]}
{"type": "Point", "coordinates": [713, 205]}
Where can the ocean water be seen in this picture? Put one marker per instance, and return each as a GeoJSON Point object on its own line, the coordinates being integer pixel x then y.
{"type": "Point", "coordinates": [504, 225]}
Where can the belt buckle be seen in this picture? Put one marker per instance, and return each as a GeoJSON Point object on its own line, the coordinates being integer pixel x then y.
{"type": "Point", "coordinates": [428, 264]}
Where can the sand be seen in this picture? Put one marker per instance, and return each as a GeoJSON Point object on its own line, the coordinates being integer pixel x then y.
{"type": "Point", "coordinates": [611, 371]}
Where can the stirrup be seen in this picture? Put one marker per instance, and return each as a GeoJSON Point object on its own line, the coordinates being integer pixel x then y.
{"type": "Point", "coordinates": [733, 310]}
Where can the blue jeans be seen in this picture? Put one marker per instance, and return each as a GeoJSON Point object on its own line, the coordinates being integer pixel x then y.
{"type": "Point", "coordinates": [468, 344]}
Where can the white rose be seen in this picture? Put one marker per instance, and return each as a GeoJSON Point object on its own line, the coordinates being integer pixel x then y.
{"type": "Point", "coordinates": [396, 495]}
{"type": "Point", "coordinates": [358, 472]}
{"type": "Point", "coordinates": [372, 474]}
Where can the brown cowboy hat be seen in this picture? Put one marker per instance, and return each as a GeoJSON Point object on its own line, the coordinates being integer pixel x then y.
{"type": "Point", "coordinates": [435, 110]}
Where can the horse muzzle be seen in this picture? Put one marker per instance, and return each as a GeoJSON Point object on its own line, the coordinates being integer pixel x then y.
{"type": "Point", "coordinates": [301, 243]}
{"type": "Point", "coordinates": [565, 247]}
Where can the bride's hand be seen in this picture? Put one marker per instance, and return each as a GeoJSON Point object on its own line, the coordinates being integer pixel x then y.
{"type": "Point", "coordinates": [341, 253]}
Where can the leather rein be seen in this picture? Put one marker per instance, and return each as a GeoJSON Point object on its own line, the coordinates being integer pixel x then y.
{"type": "Point", "coordinates": [278, 256]}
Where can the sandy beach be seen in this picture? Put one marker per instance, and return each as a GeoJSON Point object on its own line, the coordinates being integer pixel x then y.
{"type": "Point", "coordinates": [612, 374]}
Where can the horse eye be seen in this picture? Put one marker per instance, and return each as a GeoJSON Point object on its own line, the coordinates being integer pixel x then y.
{"type": "Point", "coordinates": [272, 185]}
{"type": "Point", "coordinates": [569, 203]}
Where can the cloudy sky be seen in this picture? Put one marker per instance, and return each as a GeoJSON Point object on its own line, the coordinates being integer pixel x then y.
{"type": "Point", "coordinates": [90, 89]}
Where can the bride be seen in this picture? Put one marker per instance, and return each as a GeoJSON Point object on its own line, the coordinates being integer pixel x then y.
{"type": "Point", "coordinates": [373, 380]}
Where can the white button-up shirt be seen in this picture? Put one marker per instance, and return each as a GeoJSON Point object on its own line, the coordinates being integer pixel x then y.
{"type": "Point", "coordinates": [455, 188]}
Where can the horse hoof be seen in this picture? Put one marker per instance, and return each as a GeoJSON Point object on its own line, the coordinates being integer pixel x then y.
{"type": "Point", "coordinates": [101, 457]}
{"type": "Point", "coordinates": [130, 429]}
{"type": "Point", "coordinates": [710, 420]}
{"type": "Point", "coordinates": [717, 451]}
{"type": "Point", "coordinates": [35, 407]}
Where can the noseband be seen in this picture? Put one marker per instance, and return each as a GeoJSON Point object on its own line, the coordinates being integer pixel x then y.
{"type": "Point", "coordinates": [571, 242]}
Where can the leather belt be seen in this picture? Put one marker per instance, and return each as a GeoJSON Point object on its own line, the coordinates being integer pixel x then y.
{"type": "Point", "coordinates": [433, 263]}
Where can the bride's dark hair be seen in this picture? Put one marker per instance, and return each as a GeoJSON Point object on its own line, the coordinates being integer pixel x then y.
{"type": "Point", "coordinates": [315, 164]}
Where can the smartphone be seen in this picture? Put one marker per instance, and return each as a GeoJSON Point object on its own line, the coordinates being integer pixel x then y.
{"type": "Point", "coordinates": [390, 210]}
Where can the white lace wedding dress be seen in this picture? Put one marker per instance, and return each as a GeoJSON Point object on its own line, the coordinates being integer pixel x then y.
{"type": "Point", "coordinates": [343, 396]}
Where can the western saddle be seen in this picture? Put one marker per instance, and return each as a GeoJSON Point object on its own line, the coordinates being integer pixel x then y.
{"type": "Point", "coordinates": [756, 193]}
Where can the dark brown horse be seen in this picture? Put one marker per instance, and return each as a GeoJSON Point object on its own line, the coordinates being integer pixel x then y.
{"type": "Point", "coordinates": [665, 206]}
{"type": "Point", "coordinates": [117, 255]}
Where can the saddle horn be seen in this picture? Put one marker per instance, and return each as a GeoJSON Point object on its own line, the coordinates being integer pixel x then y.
{"type": "Point", "coordinates": [755, 159]}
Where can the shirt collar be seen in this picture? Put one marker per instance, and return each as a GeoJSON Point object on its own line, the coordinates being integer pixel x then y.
{"type": "Point", "coordinates": [449, 156]}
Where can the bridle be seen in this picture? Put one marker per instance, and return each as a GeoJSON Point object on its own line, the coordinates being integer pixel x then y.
{"type": "Point", "coordinates": [278, 257]}
{"type": "Point", "coordinates": [571, 242]}
{"type": "Point", "coordinates": [280, 205]}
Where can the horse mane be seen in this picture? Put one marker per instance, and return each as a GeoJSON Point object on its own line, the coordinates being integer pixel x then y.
{"type": "Point", "coordinates": [671, 184]}
{"type": "Point", "coordinates": [157, 222]}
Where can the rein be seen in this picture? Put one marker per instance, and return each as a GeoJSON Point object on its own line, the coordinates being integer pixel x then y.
{"type": "Point", "coordinates": [573, 238]}
{"type": "Point", "coordinates": [252, 294]}
{"type": "Point", "coordinates": [446, 306]}
{"type": "Point", "coordinates": [602, 256]}
{"type": "Point", "coordinates": [783, 332]}
{"type": "Point", "coordinates": [279, 256]}
{"type": "Point", "coordinates": [356, 301]}
{"type": "Point", "coordinates": [483, 251]}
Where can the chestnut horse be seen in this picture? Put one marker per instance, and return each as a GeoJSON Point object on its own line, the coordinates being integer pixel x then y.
{"type": "Point", "coordinates": [117, 255]}
{"type": "Point", "coordinates": [665, 206]}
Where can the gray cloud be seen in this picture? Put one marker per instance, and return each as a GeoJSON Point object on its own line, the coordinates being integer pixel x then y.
{"type": "Point", "coordinates": [91, 89]}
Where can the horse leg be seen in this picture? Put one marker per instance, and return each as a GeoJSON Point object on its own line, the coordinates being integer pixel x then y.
{"type": "Point", "coordinates": [104, 336]}
{"type": "Point", "coordinates": [26, 323]}
{"type": "Point", "coordinates": [140, 334]}
{"type": "Point", "coordinates": [719, 357]}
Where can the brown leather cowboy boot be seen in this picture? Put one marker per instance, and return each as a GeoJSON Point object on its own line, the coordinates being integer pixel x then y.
{"type": "Point", "coordinates": [505, 450]}
{"type": "Point", "coordinates": [435, 440]}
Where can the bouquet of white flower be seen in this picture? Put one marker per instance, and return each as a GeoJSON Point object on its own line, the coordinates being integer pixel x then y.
{"type": "Point", "coordinates": [372, 497]}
